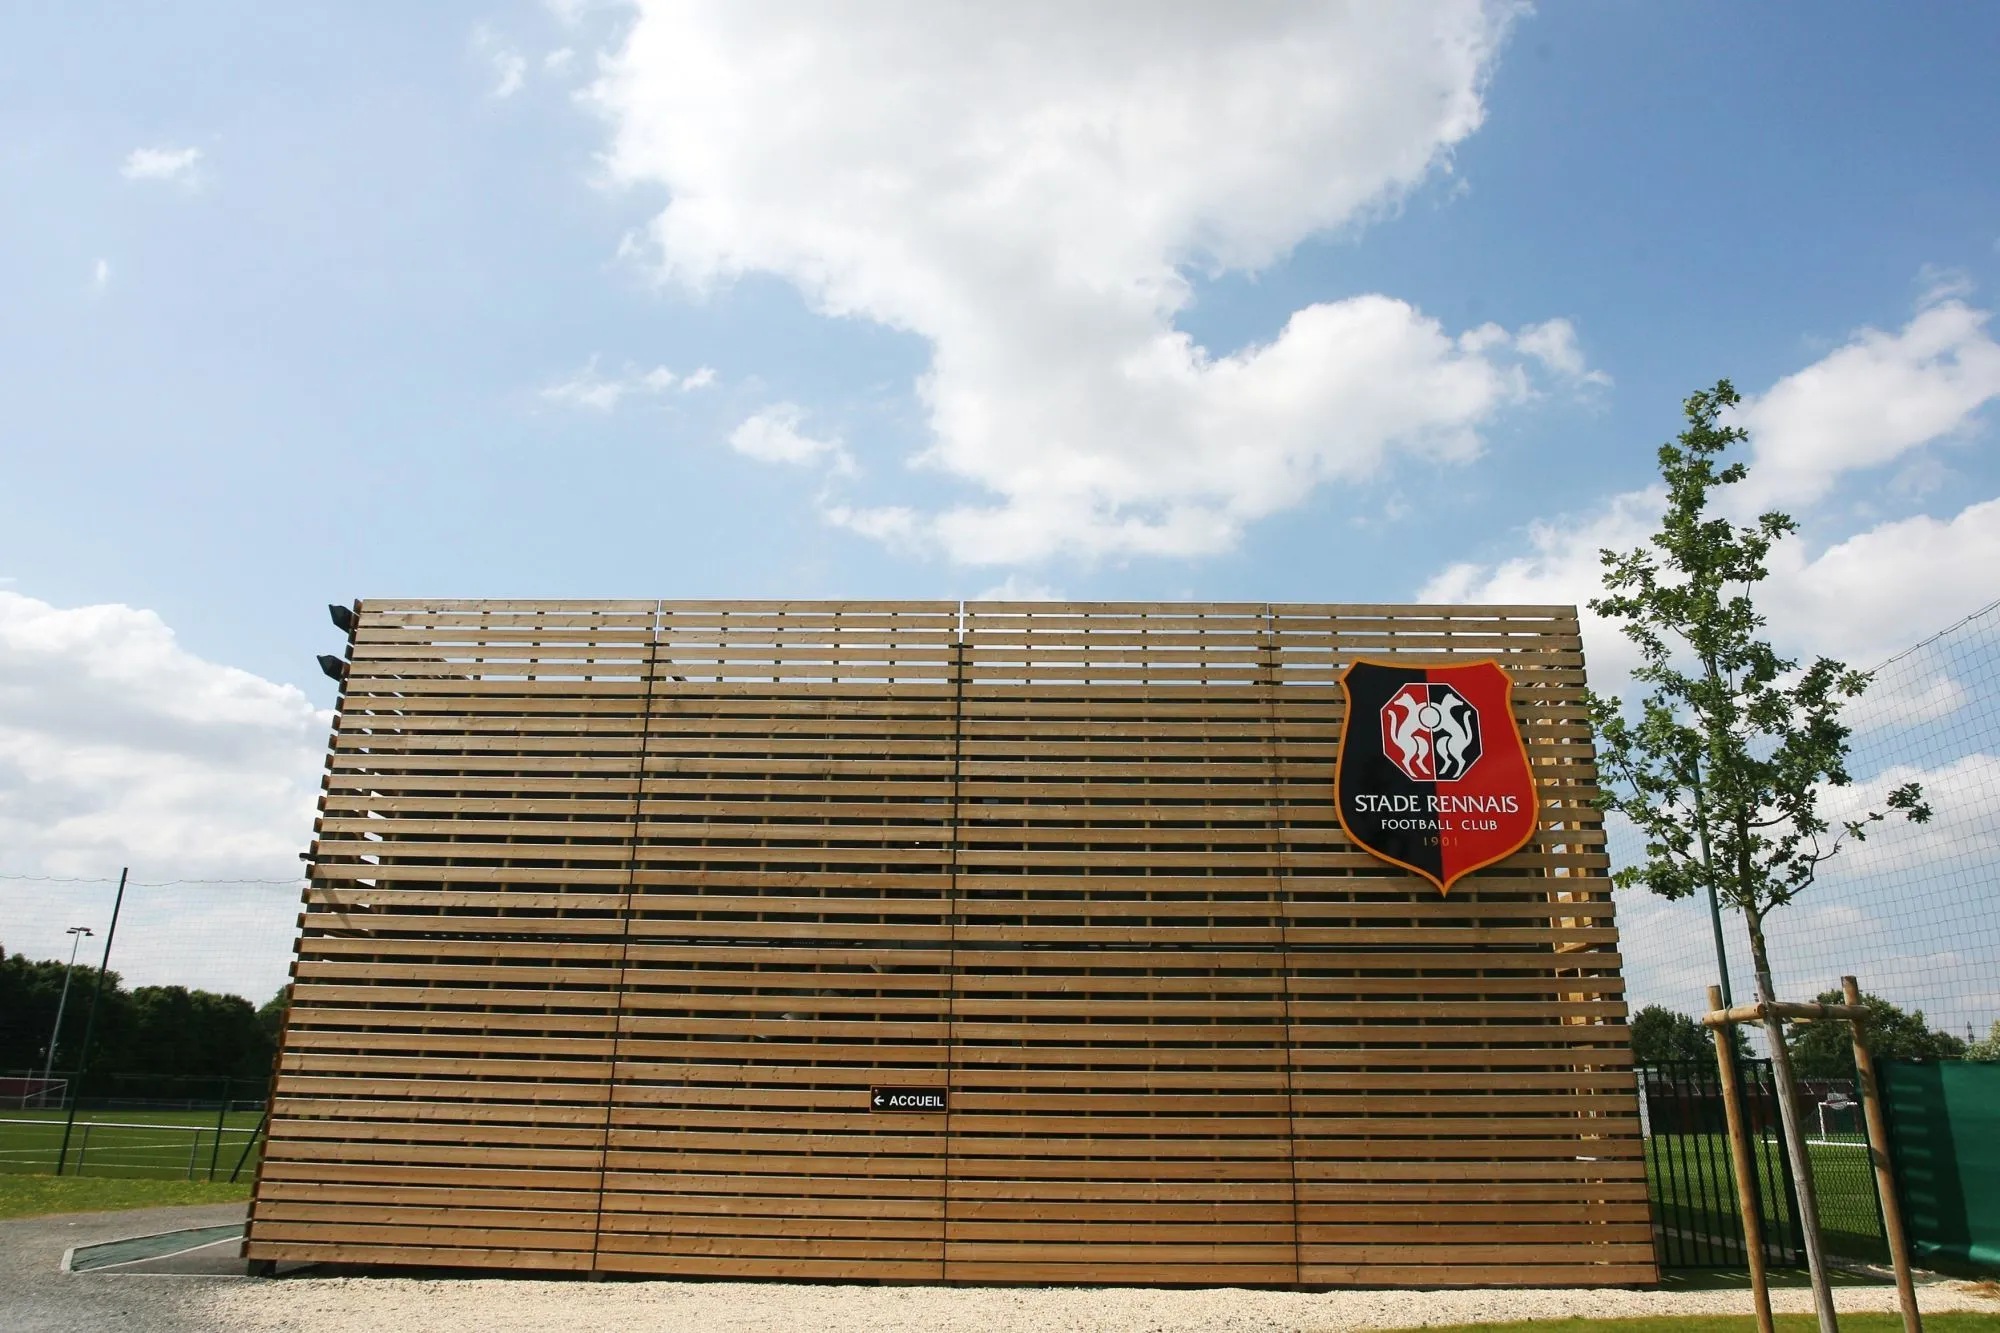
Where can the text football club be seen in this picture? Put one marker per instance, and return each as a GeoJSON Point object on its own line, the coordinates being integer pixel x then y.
{"type": "Point", "coordinates": [1433, 775]}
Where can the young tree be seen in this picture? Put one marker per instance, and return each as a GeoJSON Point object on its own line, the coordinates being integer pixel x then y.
{"type": "Point", "coordinates": [1722, 767]}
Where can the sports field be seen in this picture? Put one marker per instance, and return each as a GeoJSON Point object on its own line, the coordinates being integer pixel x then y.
{"type": "Point", "coordinates": [1692, 1184]}
{"type": "Point", "coordinates": [181, 1145]}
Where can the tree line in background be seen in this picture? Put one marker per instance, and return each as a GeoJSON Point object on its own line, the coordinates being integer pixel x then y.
{"type": "Point", "coordinates": [148, 1030]}
{"type": "Point", "coordinates": [171, 1030]}
{"type": "Point", "coordinates": [1818, 1050]}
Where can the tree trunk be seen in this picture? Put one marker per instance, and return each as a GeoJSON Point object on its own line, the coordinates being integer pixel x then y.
{"type": "Point", "coordinates": [1795, 1143]}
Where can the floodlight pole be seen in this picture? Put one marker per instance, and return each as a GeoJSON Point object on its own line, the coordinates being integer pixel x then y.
{"type": "Point", "coordinates": [90, 1023]}
{"type": "Point", "coordinates": [76, 934]}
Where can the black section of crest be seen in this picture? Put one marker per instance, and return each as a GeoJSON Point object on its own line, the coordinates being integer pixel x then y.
{"type": "Point", "coordinates": [1408, 834]}
{"type": "Point", "coordinates": [1458, 748]}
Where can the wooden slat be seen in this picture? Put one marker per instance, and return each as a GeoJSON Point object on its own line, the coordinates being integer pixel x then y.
{"type": "Point", "coordinates": [788, 954]}
{"type": "Point", "coordinates": [620, 909]}
{"type": "Point", "coordinates": [457, 991]}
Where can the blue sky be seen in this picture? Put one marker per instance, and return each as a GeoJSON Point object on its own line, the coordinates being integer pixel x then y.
{"type": "Point", "coordinates": [301, 303]}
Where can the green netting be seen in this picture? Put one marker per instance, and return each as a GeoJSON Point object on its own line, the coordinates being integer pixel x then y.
{"type": "Point", "coordinates": [1944, 1134]}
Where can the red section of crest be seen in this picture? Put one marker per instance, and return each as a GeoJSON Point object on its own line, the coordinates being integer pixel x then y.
{"type": "Point", "coordinates": [1475, 828]}
{"type": "Point", "coordinates": [1433, 774]}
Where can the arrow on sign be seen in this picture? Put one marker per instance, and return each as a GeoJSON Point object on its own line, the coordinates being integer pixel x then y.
{"type": "Point", "coordinates": [881, 1100]}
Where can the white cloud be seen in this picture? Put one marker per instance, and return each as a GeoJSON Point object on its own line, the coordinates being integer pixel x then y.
{"type": "Point", "coordinates": [601, 393]}
{"type": "Point", "coordinates": [1860, 598]}
{"type": "Point", "coordinates": [1029, 187]}
{"type": "Point", "coordinates": [1881, 590]}
{"type": "Point", "coordinates": [1962, 828]}
{"type": "Point", "coordinates": [1014, 588]}
{"type": "Point", "coordinates": [1562, 564]}
{"type": "Point", "coordinates": [559, 60]}
{"type": "Point", "coordinates": [1926, 698]}
{"type": "Point", "coordinates": [892, 525]}
{"type": "Point", "coordinates": [773, 436]}
{"type": "Point", "coordinates": [510, 68]}
{"type": "Point", "coordinates": [100, 275]}
{"type": "Point", "coordinates": [160, 164]}
{"type": "Point", "coordinates": [120, 748]}
{"type": "Point", "coordinates": [1553, 343]}
{"type": "Point", "coordinates": [117, 745]}
{"type": "Point", "coordinates": [510, 72]}
{"type": "Point", "coordinates": [1872, 401]}
{"type": "Point", "coordinates": [1562, 567]}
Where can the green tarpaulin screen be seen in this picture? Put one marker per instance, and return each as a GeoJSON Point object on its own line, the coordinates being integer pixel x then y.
{"type": "Point", "coordinates": [1944, 1134]}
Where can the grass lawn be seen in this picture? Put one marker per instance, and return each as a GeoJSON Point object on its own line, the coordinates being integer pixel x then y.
{"type": "Point", "coordinates": [1693, 1188]}
{"type": "Point", "coordinates": [157, 1144]}
{"type": "Point", "coordinates": [38, 1196]}
{"type": "Point", "coordinates": [1787, 1323]}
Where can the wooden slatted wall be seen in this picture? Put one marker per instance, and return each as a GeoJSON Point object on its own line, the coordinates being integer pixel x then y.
{"type": "Point", "coordinates": [675, 884]}
{"type": "Point", "coordinates": [1119, 1035]}
{"type": "Point", "coordinates": [1462, 1081]}
{"type": "Point", "coordinates": [446, 1071]}
{"type": "Point", "coordinates": [789, 946]}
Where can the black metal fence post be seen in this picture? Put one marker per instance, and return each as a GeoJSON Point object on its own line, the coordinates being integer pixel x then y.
{"type": "Point", "coordinates": [90, 1023]}
{"type": "Point", "coordinates": [1691, 1184]}
{"type": "Point", "coordinates": [221, 1117]}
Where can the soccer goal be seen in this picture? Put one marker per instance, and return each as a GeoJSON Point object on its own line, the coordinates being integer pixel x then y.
{"type": "Point", "coordinates": [28, 1092]}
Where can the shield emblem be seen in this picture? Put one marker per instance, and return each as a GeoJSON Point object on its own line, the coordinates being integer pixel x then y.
{"type": "Point", "coordinates": [1433, 775]}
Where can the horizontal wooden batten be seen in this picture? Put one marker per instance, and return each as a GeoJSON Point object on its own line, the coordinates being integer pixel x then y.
{"type": "Point", "coordinates": [620, 912]}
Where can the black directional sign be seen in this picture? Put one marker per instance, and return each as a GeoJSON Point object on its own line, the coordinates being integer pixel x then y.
{"type": "Point", "coordinates": [906, 1099]}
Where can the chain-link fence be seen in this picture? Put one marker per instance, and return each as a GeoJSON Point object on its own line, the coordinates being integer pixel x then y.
{"type": "Point", "coordinates": [181, 1032]}
{"type": "Point", "coordinates": [1914, 912]}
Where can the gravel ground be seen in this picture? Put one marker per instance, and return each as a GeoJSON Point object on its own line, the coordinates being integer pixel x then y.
{"type": "Point", "coordinates": [305, 1304]}
{"type": "Point", "coordinates": [36, 1298]}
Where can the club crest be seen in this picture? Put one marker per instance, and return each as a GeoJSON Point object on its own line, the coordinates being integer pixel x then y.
{"type": "Point", "coordinates": [1433, 775]}
{"type": "Point", "coordinates": [1430, 732]}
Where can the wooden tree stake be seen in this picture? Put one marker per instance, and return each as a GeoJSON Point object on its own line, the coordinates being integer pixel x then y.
{"type": "Point", "coordinates": [1878, 1152]}
{"type": "Point", "coordinates": [1739, 1156]}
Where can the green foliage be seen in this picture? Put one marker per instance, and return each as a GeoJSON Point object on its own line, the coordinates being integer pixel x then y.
{"type": "Point", "coordinates": [1987, 1049]}
{"type": "Point", "coordinates": [1722, 768]}
{"type": "Point", "coordinates": [151, 1030]}
{"type": "Point", "coordinates": [271, 1016]}
{"type": "Point", "coordinates": [1662, 1036]}
{"type": "Point", "coordinates": [1826, 1050]}
{"type": "Point", "coordinates": [29, 993]}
